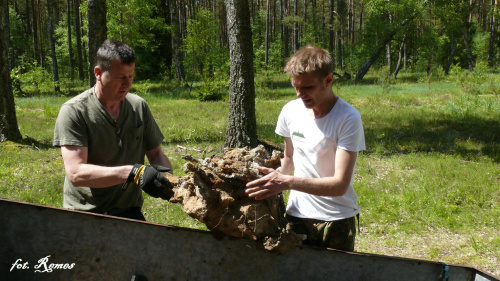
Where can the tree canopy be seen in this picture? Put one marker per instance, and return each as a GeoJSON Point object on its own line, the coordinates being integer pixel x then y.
{"type": "Point", "coordinates": [417, 35]}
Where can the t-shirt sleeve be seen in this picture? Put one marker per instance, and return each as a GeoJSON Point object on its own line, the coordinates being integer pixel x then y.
{"type": "Point", "coordinates": [153, 134]}
{"type": "Point", "coordinates": [352, 136]}
{"type": "Point", "coordinates": [70, 128]}
{"type": "Point", "coordinates": [282, 127]}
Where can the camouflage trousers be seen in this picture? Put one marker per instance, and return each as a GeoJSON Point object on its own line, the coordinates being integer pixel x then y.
{"type": "Point", "coordinates": [338, 234]}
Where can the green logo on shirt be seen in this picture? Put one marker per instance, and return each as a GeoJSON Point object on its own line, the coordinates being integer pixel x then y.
{"type": "Point", "coordinates": [298, 134]}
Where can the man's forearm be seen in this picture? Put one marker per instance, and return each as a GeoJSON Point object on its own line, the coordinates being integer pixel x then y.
{"type": "Point", "coordinates": [98, 176]}
{"type": "Point", "coordinates": [157, 157]}
{"type": "Point", "coordinates": [275, 182]}
{"type": "Point", "coordinates": [336, 185]}
{"type": "Point", "coordinates": [162, 161]}
{"type": "Point", "coordinates": [329, 186]}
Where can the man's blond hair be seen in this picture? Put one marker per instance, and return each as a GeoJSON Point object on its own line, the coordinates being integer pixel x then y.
{"type": "Point", "coordinates": [309, 59]}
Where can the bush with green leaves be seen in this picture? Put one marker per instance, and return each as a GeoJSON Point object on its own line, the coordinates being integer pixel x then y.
{"type": "Point", "coordinates": [32, 79]}
{"type": "Point", "coordinates": [492, 86]}
{"type": "Point", "coordinates": [210, 90]}
{"type": "Point", "coordinates": [470, 81]}
{"type": "Point", "coordinates": [480, 46]}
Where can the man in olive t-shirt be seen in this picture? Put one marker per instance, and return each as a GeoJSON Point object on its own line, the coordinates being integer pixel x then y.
{"type": "Point", "coordinates": [102, 133]}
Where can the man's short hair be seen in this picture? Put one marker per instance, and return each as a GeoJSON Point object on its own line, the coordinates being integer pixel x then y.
{"type": "Point", "coordinates": [310, 59]}
{"type": "Point", "coordinates": [111, 49]}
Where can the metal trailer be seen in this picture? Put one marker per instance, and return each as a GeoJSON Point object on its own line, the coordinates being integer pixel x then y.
{"type": "Point", "coordinates": [45, 243]}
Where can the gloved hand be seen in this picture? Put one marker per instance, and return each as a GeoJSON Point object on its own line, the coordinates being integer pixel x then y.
{"type": "Point", "coordinates": [149, 179]}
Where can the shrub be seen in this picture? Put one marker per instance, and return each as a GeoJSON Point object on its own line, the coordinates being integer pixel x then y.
{"type": "Point", "coordinates": [470, 81]}
{"type": "Point", "coordinates": [32, 79]}
{"type": "Point", "coordinates": [210, 90]}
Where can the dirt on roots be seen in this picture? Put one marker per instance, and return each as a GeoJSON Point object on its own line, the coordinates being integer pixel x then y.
{"type": "Point", "coordinates": [214, 193]}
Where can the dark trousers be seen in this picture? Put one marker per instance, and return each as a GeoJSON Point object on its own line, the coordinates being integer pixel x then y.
{"type": "Point", "coordinates": [338, 234]}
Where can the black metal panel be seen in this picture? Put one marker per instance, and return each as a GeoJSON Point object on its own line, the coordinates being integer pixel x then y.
{"type": "Point", "coordinates": [98, 247]}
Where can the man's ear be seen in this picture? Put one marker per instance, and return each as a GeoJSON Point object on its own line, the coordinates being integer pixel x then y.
{"type": "Point", "coordinates": [329, 79]}
{"type": "Point", "coordinates": [97, 73]}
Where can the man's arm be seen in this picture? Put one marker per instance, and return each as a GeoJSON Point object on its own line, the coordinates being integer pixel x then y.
{"type": "Point", "coordinates": [157, 157]}
{"type": "Point", "coordinates": [287, 162]}
{"type": "Point", "coordinates": [80, 173]}
{"type": "Point", "coordinates": [275, 182]}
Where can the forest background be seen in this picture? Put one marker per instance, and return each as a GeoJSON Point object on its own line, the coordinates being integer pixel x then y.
{"type": "Point", "coordinates": [388, 55]}
{"type": "Point", "coordinates": [187, 39]}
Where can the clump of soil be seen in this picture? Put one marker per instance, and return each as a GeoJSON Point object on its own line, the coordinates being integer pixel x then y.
{"type": "Point", "coordinates": [214, 193]}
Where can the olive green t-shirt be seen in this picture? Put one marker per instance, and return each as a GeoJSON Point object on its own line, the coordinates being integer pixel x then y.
{"type": "Point", "coordinates": [83, 121]}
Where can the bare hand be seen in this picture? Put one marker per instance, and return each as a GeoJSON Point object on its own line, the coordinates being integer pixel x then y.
{"type": "Point", "coordinates": [267, 186]}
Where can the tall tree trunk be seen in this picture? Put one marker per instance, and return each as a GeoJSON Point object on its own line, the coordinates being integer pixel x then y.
{"type": "Point", "coordinates": [35, 32]}
{"type": "Point", "coordinates": [493, 31]}
{"type": "Point", "coordinates": [97, 32]}
{"type": "Point", "coordinates": [305, 10]}
{"type": "Point", "coordinates": [84, 46]}
{"type": "Point", "coordinates": [429, 63]}
{"type": "Point", "coordinates": [341, 31]}
{"type": "Point", "coordinates": [400, 57]}
{"type": "Point", "coordinates": [332, 32]}
{"type": "Point", "coordinates": [468, 47]}
{"type": "Point", "coordinates": [405, 55]}
{"type": "Point", "coordinates": [388, 49]}
{"type": "Point", "coordinates": [362, 72]}
{"type": "Point", "coordinates": [177, 56]}
{"type": "Point", "coordinates": [274, 17]}
{"type": "Point", "coordinates": [166, 44]}
{"type": "Point", "coordinates": [296, 26]}
{"type": "Point", "coordinates": [253, 10]}
{"type": "Point", "coordinates": [41, 42]}
{"type": "Point", "coordinates": [351, 22]}
{"type": "Point", "coordinates": [340, 50]}
{"type": "Point", "coordinates": [70, 47]}
{"type": "Point", "coordinates": [78, 33]}
{"type": "Point", "coordinates": [314, 15]}
{"type": "Point", "coordinates": [286, 34]}
{"type": "Point", "coordinates": [242, 125]}
{"type": "Point", "coordinates": [221, 18]}
{"type": "Point", "coordinates": [470, 11]}
{"type": "Point", "coordinates": [267, 34]}
{"type": "Point", "coordinates": [450, 57]}
{"type": "Point", "coordinates": [388, 55]}
{"type": "Point", "coordinates": [50, 34]}
{"type": "Point", "coordinates": [8, 120]}
{"type": "Point", "coordinates": [28, 17]}
{"type": "Point", "coordinates": [361, 18]}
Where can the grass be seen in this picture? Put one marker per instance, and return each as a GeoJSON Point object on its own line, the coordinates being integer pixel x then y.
{"type": "Point", "coordinates": [428, 183]}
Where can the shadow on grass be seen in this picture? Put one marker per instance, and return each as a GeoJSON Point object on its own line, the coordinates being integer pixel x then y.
{"type": "Point", "coordinates": [468, 137]}
{"type": "Point", "coordinates": [28, 141]}
{"type": "Point", "coordinates": [38, 144]}
{"type": "Point", "coordinates": [372, 80]}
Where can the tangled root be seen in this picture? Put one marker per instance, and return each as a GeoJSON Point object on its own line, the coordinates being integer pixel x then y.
{"type": "Point", "coordinates": [214, 193]}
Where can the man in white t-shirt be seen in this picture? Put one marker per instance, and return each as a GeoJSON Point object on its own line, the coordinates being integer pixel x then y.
{"type": "Point", "coordinates": [323, 135]}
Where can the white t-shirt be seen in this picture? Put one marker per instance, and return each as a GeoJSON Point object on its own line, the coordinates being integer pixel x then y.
{"type": "Point", "coordinates": [315, 142]}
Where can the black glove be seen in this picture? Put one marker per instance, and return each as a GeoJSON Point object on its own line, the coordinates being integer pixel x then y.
{"type": "Point", "coordinates": [150, 179]}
